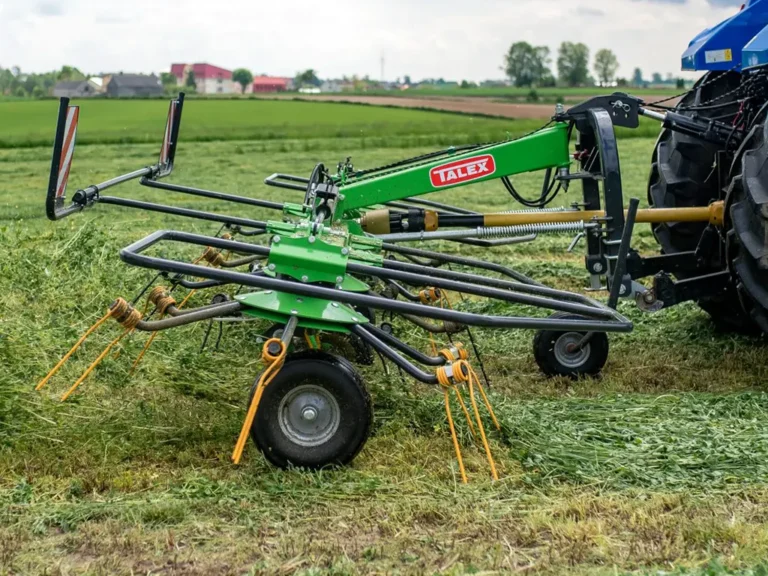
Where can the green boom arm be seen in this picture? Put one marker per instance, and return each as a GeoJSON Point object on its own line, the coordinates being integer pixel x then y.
{"type": "Point", "coordinates": [547, 148]}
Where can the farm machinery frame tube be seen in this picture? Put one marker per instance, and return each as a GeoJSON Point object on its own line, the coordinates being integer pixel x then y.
{"type": "Point", "coordinates": [460, 261]}
{"type": "Point", "coordinates": [185, 212]}
{"type": "Point", "coordinates": [402, 269]}
{"type": "Point", "coordinates": [598, 318]}
{"type": "Point", "coordinates": [213, 194]}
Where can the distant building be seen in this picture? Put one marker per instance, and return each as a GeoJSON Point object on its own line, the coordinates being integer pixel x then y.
{"type": "Point", "coordinates": [331, 86]}
{"type": "Point", "coordinates": [76, 89]}
{"type": "Point", "coordinates": [99, 82]}
{"type": "Point", "coordinates": [131, 85]}
{"type": "Point", "coordinates": [271, 84]}
{"type": "Point", "coordinates": [209, 79]}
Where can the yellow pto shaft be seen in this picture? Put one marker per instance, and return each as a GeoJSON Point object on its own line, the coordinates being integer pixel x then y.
{"type": "Point", "coordinates": [712, 214]}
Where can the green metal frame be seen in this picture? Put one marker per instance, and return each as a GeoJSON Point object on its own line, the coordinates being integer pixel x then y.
{"type": "Point", "coordinates": [547, 148]}
{"type": "Point", "coordinates": [319, 254]}
{"type": "Point", "coordinates": [313, 313]}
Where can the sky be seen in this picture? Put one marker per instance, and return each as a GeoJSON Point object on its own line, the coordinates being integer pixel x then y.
{"type": "Point", "coordinates": [453, 39]}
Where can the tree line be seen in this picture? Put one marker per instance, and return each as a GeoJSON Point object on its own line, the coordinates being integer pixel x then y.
{"type": "Point", "coordinates": [13, 82]}
{"type": "Point", "coordinates": [529, 66]}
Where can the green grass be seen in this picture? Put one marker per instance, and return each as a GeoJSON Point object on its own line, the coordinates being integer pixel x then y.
{"type": "Point", "coordinates": [27, 124]}
{"type": "Point", "coordinates": [658, 466]}
{"type": "Point", "coordinates": [33, 123]}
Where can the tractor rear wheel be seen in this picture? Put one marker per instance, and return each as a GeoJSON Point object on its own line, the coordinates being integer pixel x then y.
{"type": "Point", "coordinates": [747, 241]}
{"type": "Point", "coordinates": [683, 174]}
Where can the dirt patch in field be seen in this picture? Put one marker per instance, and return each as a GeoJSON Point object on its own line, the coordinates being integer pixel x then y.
{"type": "Point", "coordinates": [488, 106]}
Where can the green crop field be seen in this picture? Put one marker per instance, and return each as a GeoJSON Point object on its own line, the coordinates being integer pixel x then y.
{"type": "Point", "coordinates": [660, 466]}
{"type": "Point", "coordinates": [135, 121]}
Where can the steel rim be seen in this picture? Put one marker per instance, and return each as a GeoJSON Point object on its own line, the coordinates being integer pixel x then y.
{"type": "Point", "coordinates": [574, 359]}
{"type": "Point", "coordinates": [309, 415]}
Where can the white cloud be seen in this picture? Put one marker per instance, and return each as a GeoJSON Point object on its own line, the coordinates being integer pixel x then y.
{"type": "Point", "coordinates": [424, 38]}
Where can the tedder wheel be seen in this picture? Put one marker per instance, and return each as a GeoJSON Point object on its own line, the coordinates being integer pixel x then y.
{"type": "Point", "coordinates": [315, 413]}
{"type": "Point", "coordinates": [682, 176]}
{"type": "Point", "coordinates": [554, 353]}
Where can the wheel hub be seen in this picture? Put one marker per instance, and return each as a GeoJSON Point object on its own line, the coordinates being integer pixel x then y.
{"type": "Point", "coordinates": [567, 351]}
{"type": "Point", "coordinates": [309, 415]}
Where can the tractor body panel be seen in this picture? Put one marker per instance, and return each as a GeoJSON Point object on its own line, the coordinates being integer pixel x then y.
{"type": "Point", "coordinates": [722, 47]}
{"type": "Point", "coordinates": [755, 53]}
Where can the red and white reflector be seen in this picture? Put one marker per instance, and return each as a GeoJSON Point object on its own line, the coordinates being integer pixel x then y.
{"type": "Point", "coordinates": [67, 150]}
{"type": "Point", "coordinates": [165, 151]}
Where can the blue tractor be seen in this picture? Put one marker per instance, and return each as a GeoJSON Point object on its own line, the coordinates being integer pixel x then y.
{"type": "Point", "coordinates": [725, 272]}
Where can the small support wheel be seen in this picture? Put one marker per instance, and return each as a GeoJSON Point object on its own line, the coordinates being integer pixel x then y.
{"type": "Point", "coordinates": [557, 352]}
{"type": "Point", "coordinates": [315, 413]}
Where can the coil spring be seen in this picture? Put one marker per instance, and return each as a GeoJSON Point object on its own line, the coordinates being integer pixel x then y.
{"type": "Point", "coordinates": [526, 229]}
{"type": "Point", "coordinates": [529, 210]}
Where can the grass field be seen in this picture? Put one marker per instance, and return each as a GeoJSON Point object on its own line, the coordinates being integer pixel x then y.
{"type": "Point", "coordinates": [33, 123]}
{"type": "Point", "coordinates": [137, 121]}
{"type": "Point", "coordinates": [661, 465]}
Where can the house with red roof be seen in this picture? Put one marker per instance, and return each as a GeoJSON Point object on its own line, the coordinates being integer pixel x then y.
{"type": "Point", "coordinates": [271, 84]}
{"type": "Point", "coordinates": [209, 79]}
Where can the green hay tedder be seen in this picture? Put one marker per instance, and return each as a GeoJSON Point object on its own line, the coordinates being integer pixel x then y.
{"type": "Point", "coordinates": [337, 263]}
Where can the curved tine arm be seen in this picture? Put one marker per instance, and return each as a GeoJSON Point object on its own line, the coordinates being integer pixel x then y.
{"type": "Point", "coordinates": [420, 357]}
{"type": "Point", "coordinates": [388, 352]}
{"type": "Point", "coordinates": [444, 328]}
{"type": "Point", "coordinates": [190, 317]}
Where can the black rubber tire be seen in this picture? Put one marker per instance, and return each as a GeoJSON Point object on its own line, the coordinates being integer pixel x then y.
{"type": "Point", "coordinates": [681, 176]}
{"type": "Point", "coordinates": [338, 378]}
{"type": "Point", "coordinates": [595, 352]}
{"type": "Point", "coordinates": [748, 228]}
{"type": "Point", "coordinates": [682, 166]}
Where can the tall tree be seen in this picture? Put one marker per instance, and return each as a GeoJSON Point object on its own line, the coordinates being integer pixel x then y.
{"type": "Point", "coordinates": [70, 73]}
{"type": "Point", "coordinates": [191, 82]}
{"type": "Point", "coordinates": [527, 65]}
{"type": "Point", "coordinates": [308, 77]}
{"type": "Point", "coordinates": [6, 80]}
{"type": "Point", "coordinates": [573, 63]}
{"type": "Point", "coordinates": [656, 78]}
{"type": "Point", "coordinates": [243, 77]}
{"type": "Point", "coordinates": [168, 80]}
{"type": "Point", "coordinates": [606, 66]}
{"type": "Point", "coordinates": [637, 78]}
